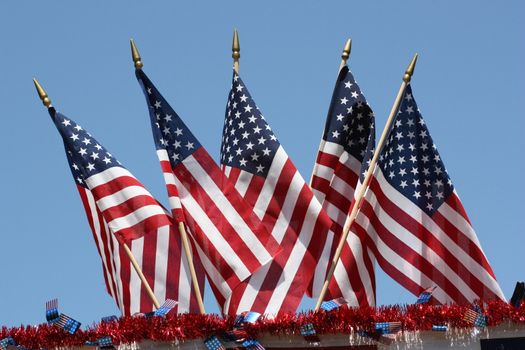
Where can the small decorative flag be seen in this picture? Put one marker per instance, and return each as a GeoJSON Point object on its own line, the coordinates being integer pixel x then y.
{"type": "Point", "coordinates": [52, 311]}
{"type": "Point", "coordinates": [109, 319]}
{"type": "Point", "coordinates": [252, 344]}
{"type": "Point", "coordinates": [388, 327]}
{"type": "Point", "coordinates": [309, 334]}
{"type": "Point", "coordinates": [333, 304]}
{"type": "Point", "coordinates": [213, 343]}
{"type": "Point", "coordinates": [425, 296]}
{"type": "Point", "coordinates": [4, 343]}
{"type": "Point", "coordinates": [235, 335]}
{"type": "Point", "coordinates": [475, 317]}
{"type": "Point", "coordinates": [439, 328]}
{"type": "Point", "coordinates": [519, 294]}
{"type": "Point", "coordinates": [246, 316]}
{"type": "Point", "coordinates": [102, 343]}
{"type": "Point", "coordinates": [165, 308]}
{"type": "Point", "coordinates": [68, 324]}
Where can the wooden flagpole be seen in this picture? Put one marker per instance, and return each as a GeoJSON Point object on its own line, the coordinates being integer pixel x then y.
{"type": "Point", "coordinates": [353, 214]}
{"type": "Point", "coordinates": [47, 102]}
{"type": "Point", "coordinates": [236, 51]}
{"type": "Point", "coordinates": [344, 57]}
{"type": "Point", "coordinates": [181, 227]}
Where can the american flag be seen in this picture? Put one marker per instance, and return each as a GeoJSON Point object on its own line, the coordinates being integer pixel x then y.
{"type": "Point", "coordinates": [475, 316]}
{"type": "Point", "coordinates": [118, 209]}
{"type": "Point", "coordinates": [415, 222]}
{"type": "Point", "coordinates": [256, 163]}
{"type": "Point", "coordinates": [230, 239]}
{"type": "Point", "coordinates": [425, 296]}
{"type": "Point", "coordinates": [342, 160]}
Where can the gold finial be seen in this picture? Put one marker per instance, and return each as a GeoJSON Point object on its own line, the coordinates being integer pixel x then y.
{"type": "Point", "coordinates": [346, 50]}
{"type": "Point", "coordinates": [135, 54]}
{"type": "Point", "coordinates": [42, 94]}
{"type": "Point", "coordinates": [236, 50]}
{"type": "Point", "coordinates": [410, 70]}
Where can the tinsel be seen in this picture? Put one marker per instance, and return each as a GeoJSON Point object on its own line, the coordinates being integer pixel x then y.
{"type": "Point", "coordinates": [189, 326]}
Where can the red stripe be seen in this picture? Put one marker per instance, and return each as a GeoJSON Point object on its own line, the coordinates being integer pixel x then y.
{"type": "Point", "coordinates": [125, 273]}
{"type": "Point", "coordinates": [320, 184]}
{"type": "Point", "coordinates": [149, 254]}
{"type": "Point", "coordinates": [327, 159]}
{"type": "Point", "coordinates": [129, 206]}
{"type": "Point", "coordinates": [146, 227]}
{"type": "Point", "coordinates": [431, 241]}
{"type": "Point", "coordinates": [173, 267]}
{"type": "Point", "coordinates": [114, 185]}
{"type": "Point", "coordinates": [455, 203]}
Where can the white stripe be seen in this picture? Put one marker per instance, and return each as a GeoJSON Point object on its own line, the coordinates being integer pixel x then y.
{"type": "Point", "coordinates": [137, 250]}
{"type": "Point", "coordinates": [213, 274]}
{"type": "Point", "coordinates": [106, 176]}
{"type": "Point", "coordinates": [266, 194]}
{"type": "Point", "coordinates": [122, 196]}
{"type": "Point", "coordinates": [324, 172]}
{"type": "Point", "coordinates": [420, 248]}
{"type": "Point", "coordinates": [185, 283]}
{"type": "Point", "coordinates": [135, 217]}
{"type": "Point", "coordinates": [253, 287]}
{"type": "Point", "coordinates": [342, 187]}
{"type": "Point", "coordinates": [287, 209]}
{"type": "Point", "coordinates": [418, 215]}
{"type": "Point", "coordinates": [332, 148]}
{"type": "Point", "coordinates": [118, 266]}
{"type": "Point", "coordinates": [230, 213]}
{"type": "Point", "coordinates": [343, 282]}
{"type": "Point", "coordinates": [226, 170]}
{"type": "Point", "coordinates": [243, 182]}
{"type": "Point", "coordinates": [101, 244]}
{"type": "Point", "coordinates": [322, 266]}
{"type": "Point", "coordinates": [319, 195]}
{"type": "Point", "coordinates": [161, 262]}
{"type": "Point", "coordinates": [400, 264]}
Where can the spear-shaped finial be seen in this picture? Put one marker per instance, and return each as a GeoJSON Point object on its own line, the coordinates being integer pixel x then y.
{"type": "Point", "coordinates": [42, 94]}
{"type": "Point", "coordinates": [236, 51]}
{"type": "Point", "coordinates": [346, 53]}
{"type": "Point", "coordinates": [135, 55]}
{"type": "Point", "coordinates": [410, 70]}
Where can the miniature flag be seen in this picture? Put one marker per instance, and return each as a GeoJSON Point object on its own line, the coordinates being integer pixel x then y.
{"type": "Point", "coordinates": [246, 316]}
{"type": "Point", "coordinates": [120, 209]}
{"type": "Point", "coordinates": [388, 327]}
{"type": "Point", "coordinates": [425, 296]}
{"type": "Point", "coordinates": [52, 311]}
{"type": "Point", "coordinates": [68, 324]}
{"type": "Point", "coordinates": [413, 220]}
{"type": "Point", "coordinates": [256, 163]}
{"type": "Point", "coordinates": [109, 319]}
{"type": "Point", "coordinates": [345, 150]}
{"type": "Point", "coordinates": [439, 328]}
{"type": "Point", "coordinates": [236, 335]}
{"type": "Point", "coordinates": [309, 334]}
{"type": "Point", "coordinates": [4, 343]}
{"type": "Point", "coordinates": [165, 308]}
{"type": "Point", "coordinates": [102, 343]}
{"type": "Point", "coordinates": [230, 239]}
{"type": "Point", "coordinates": [333, 304]}
{"type": "Point", "coordinates": [213, 343]}
{"type": "Point", "coordinates": [475, 317]}
{"type": "Point", "coordinates": [252, 344]}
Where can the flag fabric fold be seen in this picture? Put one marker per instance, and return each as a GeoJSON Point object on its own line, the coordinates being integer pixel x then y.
{"type": "Point", "coordinates": [120, 210]}
{"type": "Point", "coordinates": [345, 151]}
{"type": "Point", "coordinates": [229, 238]}
{"type": "Point", "coordinates": [256, 163]}
{"type": "Point", "coordinates": [415, 223]}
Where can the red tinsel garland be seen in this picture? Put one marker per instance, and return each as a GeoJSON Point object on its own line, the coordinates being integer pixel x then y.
{"type": "Point", "coordinates": [188, 326]}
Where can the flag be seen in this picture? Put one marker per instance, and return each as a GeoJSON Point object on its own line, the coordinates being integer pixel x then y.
{"type": "Point", "coordinates": [475, 317]}
{"type": "Point", "coordinates": [344, 153]}
{"type": "Point", "coordinates": [413, 218]}
{"type": "Point", "coordinates": [388, 327]}
{"type": "Point", "coordinates": [425, 296]}
{"type": "Point", "coordinates": [119, 209]}
{"type": "Point", "coordinates": [255, 162]}
{"type": "Point", "coordinates": [230, 240]}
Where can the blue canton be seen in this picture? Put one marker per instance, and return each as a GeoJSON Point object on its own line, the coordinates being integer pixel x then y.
{"type": "Point", "coordinates": [350, 122]}
{"type": "Point", "coordinates": [410, 161]}
{"type": "Point", "coordinates": [248, 142]}
{"type": "Point", "coordinates": [85, 155]}
{"type": "Point", "coordinates": [169, 131]}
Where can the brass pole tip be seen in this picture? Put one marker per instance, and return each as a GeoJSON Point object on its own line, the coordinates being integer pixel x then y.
{"type": "Point", "coordinates": [347, 49]}
{"type": "Point", "coordinates": [135, 55]}
{"type": "Point", "coordinates": [410, 70]}
{"type": "Point", "coordinates": [236, 48]}
{"type": "Point", "coordinates": [42, 93]}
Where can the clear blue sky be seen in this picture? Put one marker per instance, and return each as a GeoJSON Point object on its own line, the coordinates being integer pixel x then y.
{"type": "Point", "coordinates": [469, 84]}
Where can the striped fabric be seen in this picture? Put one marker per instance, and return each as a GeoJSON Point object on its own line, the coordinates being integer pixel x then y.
{"type": "Point", "coordinates": [256, 163]}
{"type": "Point", "coordinates": [230, 239]}
{"type": "Point", "coordinates": [119, 209]}
{"type": "Point", "coordinates": [344, 152]}
{"type": "Point", "coordinates": [414, 221]}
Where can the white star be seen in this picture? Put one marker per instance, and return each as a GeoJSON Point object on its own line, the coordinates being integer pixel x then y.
{"type": "Point", "coordinates": [241, 124]}
{"type": "Point", "coordinates": [415, 182]}
{"type": "Point", "coordinates": [437, 158]}
{"type": "Point", "coordinates": [424, 158]}
{"type": "Point", "coordinates": [252, 119]}
{"type": "Point", "coordinates": [244, 98]}
{"type": "Point", "coordinates": [74, 137]}
{"type": "Point", "coordinates": [417, 194]}
{"type": "Point", "coordinates": [261, 140]}
{"type": "Point", "coordinates": [423, 133]}
{"type": "Point", "coordinates": [426, 183]}
{"type": "Point", "coordinates": [234, 106]}
{"type": "Point", "coordinates": [166, 130]}
{"type": "Point", "coordinates": [235, 141]}
{"type": "Point", "coordinates": [75, 166]}
{"type": "Point", "coordinates": [176, 144]}
{"type": "Point", "coordinates": [335, 134]}
{"type": "Point", "coordinates": [82, 151]}
{"type": "Point", "coordinates": [245, 135]}
{"type": "Point", "coordinates": [429, 206]}
{"type": "Point", "coordinates": [401, 160]}
{"type": "Point", "coordinates": [402, 172]}
{"type": "Point", "coordinates": [399, 135]}
{"type": "Point", "coordinates": [400, 147]}
{"type": "Point", "coordinates": [66, 122]}
{"type": "Point", "coordinates": [249, 145]}
{"type": "Point", "coordinates": [257, 129]}
{"type": "Point", "coordinates": [175, 157]}
{"type": "Point", "coordinates": [86, 141]}
{"type": "Point", "coordinates": [403, 184]}
{"type": "Point", "coordinates": [189, 145]}
{"type": "Point", "coordinates": [414, 171]}
{"type": "Point", "coordinates": [428, 195]}
{"type": "Point", "coordinates": [340, 117]}
{"type": "Point", "coordinates": [91, 167]}
{"type": "Point", "coordinates": [149, 91]}
{"type": "Point", "coordinates": [266, 151]}
{"type": "Point", "coordinates": [439, 183]}
{"type": "Point", "coordinates": [240, 87]}
{"type": "Point", "coordinates": [237, 115]}
{"type": "Point", "coordinates": [273, 138]}
{"type": "Point", "coordinates": [354, 94]}
{"type": "Point", "coordinates": [230, 158]}
{"type": "Point", "coordinates": [79, 180]}
{"type": "Point", "coordinates": [98, 147]}
{"type": "Point", "coordinates": [94, 155]}
{"type": "Point", "coordinates": [438, 170]}
{"type": "Point", "coordinates": [344, 101]}
{"type": "Point", "coordinates": [410, 109]}
{"type": "Point", "coordinates": [391, 175]}
{"type": "Point", "coordinates": [243, 162]}
{"type": "Point", "coordinates": [157, 104]}
{"type": "Point", "coordinates": [413, 158]}
{"type": "Point", "coordinates": [178, 132]}
{"type": "Point", "coordinates": [168, 118]}
{"type": "Point", "coordinates": [260, 168]}
{"type": "Point", "coordinates": [106, 160]}
{"type": "Point", "coordinates": [238, 151]}
{"type": "Point", "coordinates": [78, 127]}
{"type": "Point", "coordinates": [408, 97]}
{"type": "Point", "coordinates": [255, 157]}
{"type": "Point", "coordinates": [410, 122]}
{"type": "Point", "coordinates": [439, 195]}
{"type": "Point", "coordinates": [348, 85]}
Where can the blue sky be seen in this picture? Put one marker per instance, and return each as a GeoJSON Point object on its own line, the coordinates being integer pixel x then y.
{"type": "Point", "coordinates": [469, 84]}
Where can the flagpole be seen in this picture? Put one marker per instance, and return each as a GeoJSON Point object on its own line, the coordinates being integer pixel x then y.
{"type": "Point", "coordinates": [344, 57]}
{"type": "Point", "coordinates": [47, 102]}
{"type": "Point", "coordinates": [359, 198]}
{"type": "Point", "coordinates": [236, 51]}
{"type": "Point", "coordinates": [181, 227]}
